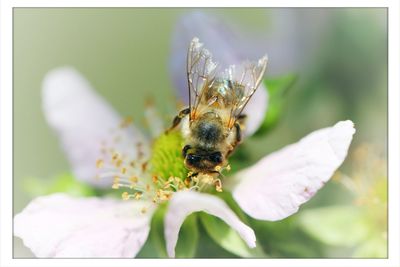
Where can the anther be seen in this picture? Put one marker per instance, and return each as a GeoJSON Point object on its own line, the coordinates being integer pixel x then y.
{"type": "Point", "coordinates": [133, 179]}
{"type": "Point", "coordinates": [115, 156]}
{"type": "Point", "coordinates": [144, 166]}
{"type": "Point", "coordinates": [218, 185]}
{"type": "Point", "coordinates": [155, 179]}
{"type": "Point", "coordinates": [99, 164]}
{"type": "Point", "coordinates": [125, 195]}
{"type": "Point", "coordinates": [118, 163]}
{"type": "Point", "coordinates": [126, 122]}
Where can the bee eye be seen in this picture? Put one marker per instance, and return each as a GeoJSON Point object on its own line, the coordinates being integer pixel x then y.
{"type": "Point", "coordinates": [192, 159]}
{"type": "Point", "coordinates": [215, 157]}
{"type": "Point", "coordinates": [185, 150]}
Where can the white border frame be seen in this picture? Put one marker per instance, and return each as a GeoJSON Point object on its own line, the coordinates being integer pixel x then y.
{"type": "Point", "coordinates": [6, 195]}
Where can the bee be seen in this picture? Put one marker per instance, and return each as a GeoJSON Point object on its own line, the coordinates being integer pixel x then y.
{"type": "Point", "coordinates": [213, 122]}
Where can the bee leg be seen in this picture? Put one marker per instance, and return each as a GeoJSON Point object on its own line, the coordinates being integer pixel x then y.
{"type": "Point", "coordinates": [193, 175]}
{"type": "Point", "coordinates": [238, 139]}
{"type": "Point", "coordinates": [241, 118]}
{"type": "Point", "coordinates": [178, 119]}
{"type": "Point", "coordinates": [238, 133]}
{"type": "Point", "coordinates": [189, 178]}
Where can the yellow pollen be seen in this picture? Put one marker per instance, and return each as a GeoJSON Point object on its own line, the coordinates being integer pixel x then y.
{"type": "Point", "coordinates": [133, 179]}
{"type": "Point", "coordinates": [148, 187]}
{"type": "Point", "coordinates": [115, 156]}
{"type": "Point", "coordinates": [228, 167]}
{"type": "Point", "coordinates": [218, 168]}
{"type": "Point", "coordinates": [143, 210]}
{"type": "Point", "coordinates": [118, 163]}
{"type": "Point", "coordinates": [187, 181]}
{"type": "Point", "coordinates": [115, 186]}
{"type": "Point", "coordinates": [99, 164]}
{"type": "Point", "coordinates": [123, 170]}
{"type": "Point", "coordinates": [207, 179]}
{"type": "Point", "coordinates": [125, 195]}
{"type": "Point", "coordinates": [166, 185]}
{"type": "Point", "coordinates": [144, 167]}
{"type": "Point", "coordinates": [218, 185]}
{"type": "Point", "coordinates": [155, 179]}
{"type": "Point", "coordinates": [126, 122]}
{"type": "Point", "coordinates": [115, 182]}
{"type": "Point", "coordinates": [137, 195]}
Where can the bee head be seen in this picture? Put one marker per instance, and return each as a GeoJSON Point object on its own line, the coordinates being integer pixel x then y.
{"type": "Point", "coordinates": [200, 160]}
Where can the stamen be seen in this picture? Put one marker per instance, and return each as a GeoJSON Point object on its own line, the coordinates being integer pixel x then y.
{"type": "Point", "coordinates": [218, 185]}
{"type": "Point", "coordinates": [115, 156]}
{"type": "Point", "coordinates": [125, 195]}
{"type": "Point", "coordinates": [138, 195]}
{"type": "Point", "coordinates": [126, 122]}
{"type": "Point", "coordinates": [99, 164]}
{"type": "Point", "coordinates": [155, 179]}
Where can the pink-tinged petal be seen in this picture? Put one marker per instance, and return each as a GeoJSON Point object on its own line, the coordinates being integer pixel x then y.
{"type": "Point", "coordinates": [184, 203]}
{"type": "Point", "coordinates": [226, 48]}
{"type": "Point", "coordinates": [85, 123]}
{"type": "Point", "coordinates": [62, 226]}
{"type": "Point", "coordinates": [278, 184]}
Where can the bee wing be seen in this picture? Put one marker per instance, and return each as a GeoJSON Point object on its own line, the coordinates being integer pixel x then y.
{"type": "Point", "coordinates": [246, 79]}
{"type": "Point", "coordinates": [200, 72]}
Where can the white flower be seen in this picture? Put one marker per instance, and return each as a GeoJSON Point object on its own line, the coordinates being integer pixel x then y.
{"type": "Point", "coordinates": [63, 226]}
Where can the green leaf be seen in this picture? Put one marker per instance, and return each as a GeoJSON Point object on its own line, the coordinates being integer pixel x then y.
{"type": "Point", "coordinates": [228, 238]}
{"type": "Point", "coordinates": [336, 225]}
{"type": "Point", "coordinates": [66, 183]}
{"type": "Point", "coordinates": [277, 89]}
{"type": "Point", "coordinates": [187, 240]}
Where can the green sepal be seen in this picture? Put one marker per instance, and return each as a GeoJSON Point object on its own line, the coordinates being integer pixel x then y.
{"type": "Point", "coordinates": [277, 89]}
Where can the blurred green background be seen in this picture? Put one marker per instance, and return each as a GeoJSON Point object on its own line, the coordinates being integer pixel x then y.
{"type": "Point", "coordinates": [339, 55]}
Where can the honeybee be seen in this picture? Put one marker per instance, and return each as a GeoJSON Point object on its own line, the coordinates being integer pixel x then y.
{"type": "Point", "coordinates": [212, 124]}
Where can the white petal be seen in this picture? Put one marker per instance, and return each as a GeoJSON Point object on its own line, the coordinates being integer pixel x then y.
{"type": "Point", "coordinates": [84, 122]}
{"type": "Point", "coordinates": [278, 184]}
{"type": "Point", "coordinates": [184, 203]}
{"type": "Point", "coordinates": [61, 226]}
{"type": "Point", "coordinates": [226, 47]}
{"type": "Point", "coordinates": [256, 110]}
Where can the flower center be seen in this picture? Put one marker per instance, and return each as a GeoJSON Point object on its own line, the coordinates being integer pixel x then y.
{"type": "Point", "coordinates": [166, 159]}
{"type": "Point", "coordinates": [153, 177]}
